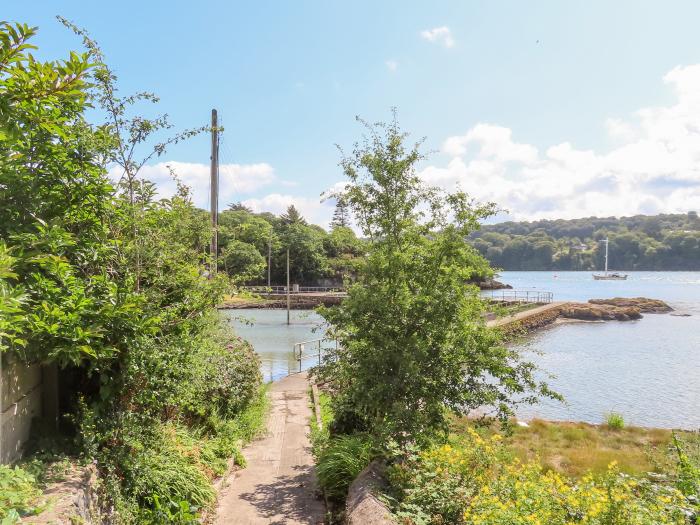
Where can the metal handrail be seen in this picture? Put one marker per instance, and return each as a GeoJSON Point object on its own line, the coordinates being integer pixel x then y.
{"type": "Point", "coordinates": [315, 346]}
{"type": "Point", "coordinates": [521, 296]}
{"type": "Point", "coordinates": [278, 290]}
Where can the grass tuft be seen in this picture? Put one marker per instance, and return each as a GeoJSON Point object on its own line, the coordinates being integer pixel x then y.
{"type": "Point", "coordinates": [614, 421]}
{"type": "Point", "coordinates": [340, 461]}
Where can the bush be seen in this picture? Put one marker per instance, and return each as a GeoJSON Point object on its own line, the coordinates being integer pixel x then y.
{"type": "Point", "coordinates": [615, 421]}
{"type": "Point", "coordinates": [476, 481]}
{"type": "Point", "coordinates": [188, 402]}
{"type": "Point", "coordinates": [18, 494]}
{"type": "Point", "coordinates": [340, 461]}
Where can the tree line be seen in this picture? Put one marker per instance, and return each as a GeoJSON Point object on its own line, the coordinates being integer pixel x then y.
{"type": "Point", "coordinates": [248, 241]}
{"type": "Point", "coordinates": [641, 242]}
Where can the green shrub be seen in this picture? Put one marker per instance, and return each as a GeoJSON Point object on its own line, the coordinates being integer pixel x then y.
{"type": "Point", "coordinates": [687, 455]}
{"type": "Point", "coordinates": [18, 494]}
{"type": "Point", "coordinates": [340, 461]}
{"type": "Point", "coordinates": [614, 421]}
{"type": "Point", "coordinates": [476, 481]}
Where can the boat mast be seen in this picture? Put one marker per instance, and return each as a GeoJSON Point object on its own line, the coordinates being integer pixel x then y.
{"type": "Point", "coordinates": [606, 256]}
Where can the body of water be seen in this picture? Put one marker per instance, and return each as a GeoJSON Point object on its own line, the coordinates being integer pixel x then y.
{"type": "Point", "coordinates": [647, 370]}
{"type": "Point", "coordinates": [273, 339]}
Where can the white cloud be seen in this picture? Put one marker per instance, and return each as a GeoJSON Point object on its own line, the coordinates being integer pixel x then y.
{"type": "Point", "coordinates": [439, 35]}
{"type": "Point", "coordinates": [392, 65]}
{"type": "Point", "coordinates": [653, 168]}
{"type": "Point", "coordinates": [235, 180]}
{"type": "Point", "coordinates": [620, 130]}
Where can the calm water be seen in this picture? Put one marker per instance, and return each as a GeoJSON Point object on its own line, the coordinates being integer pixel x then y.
{"type": "Point", "coordinates": [648, 370]}
{"type": "Point", "coordinates": [273, 339]}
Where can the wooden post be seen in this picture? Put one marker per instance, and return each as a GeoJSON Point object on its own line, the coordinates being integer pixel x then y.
{"type": "Point", "coordinates": [214, 173]}
{"type": "Point", "coordinates": [288, 288]}
{"type": "Point", "coordinates": [269, 258]}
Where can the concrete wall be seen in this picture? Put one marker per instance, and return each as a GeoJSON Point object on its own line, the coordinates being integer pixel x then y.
{"type": "Point", "coordinates": [20, 402]}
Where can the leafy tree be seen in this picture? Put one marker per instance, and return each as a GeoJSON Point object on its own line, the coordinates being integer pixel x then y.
{"type": "Point", "coordinates": [307, 258]}
{"type": "Point", "coordinates": [242, 261]}
{"type": "Point", "coordinates": [131, 144]}
{"type": "Point", "coordinates": [413, 343]}
{"type": "Point", "coordinates": [56, 207]}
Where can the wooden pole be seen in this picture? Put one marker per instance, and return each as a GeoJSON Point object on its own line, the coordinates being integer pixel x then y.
{"type": "Point", "coordinates": [214, 173]}
{"type": "Point", "coordinates": [288, 289]}
{"type": "Point", "coordinates": [269, 258]}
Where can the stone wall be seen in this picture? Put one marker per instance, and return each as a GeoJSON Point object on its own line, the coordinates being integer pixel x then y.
{"type": "Point", "coordinates": [20, 402]}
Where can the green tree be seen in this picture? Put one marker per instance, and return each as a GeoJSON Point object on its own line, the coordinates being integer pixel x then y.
{"type": "Point", "coordinates": [413, 343]}
{"type": "Point", "coordinates": [56, 205]}
{"type": "Point", "coordinates": [242, 261]}
{"type": "Point", "coordinates": [341, 215]}
{"type": "Point", "coordinates": [292, 216]}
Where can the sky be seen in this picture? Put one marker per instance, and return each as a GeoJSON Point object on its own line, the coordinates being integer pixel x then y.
{"type": "Point", "coordinates": [551, 109]}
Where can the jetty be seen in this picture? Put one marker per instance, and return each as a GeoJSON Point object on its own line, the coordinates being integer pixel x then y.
{"type": "Point", "coordinates": [615, 309]}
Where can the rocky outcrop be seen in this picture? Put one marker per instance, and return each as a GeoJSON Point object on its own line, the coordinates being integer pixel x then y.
{"type": "Point", "coordinates": [491, 284]}
{"type": "Point", "coordinates": [363, 507]}
{"type": "Point", "coordinates": [618, 309]}
{"type": "Point", "coordinates": [594, 312]}
{"type": "Point", "coordinates": [643, 304]}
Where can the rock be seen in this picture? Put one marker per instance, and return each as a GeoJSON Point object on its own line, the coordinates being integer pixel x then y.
{"type": "Point", "coordinates": [642, 304]}
{"type": "Point", "coordinates": [362, 506]}
{"type": "Point", "coordinates": [491, 284]}
{"type": "Point", "coordinates": [595, 312]}
{"type": "Point", "coordinates": [680, 314]}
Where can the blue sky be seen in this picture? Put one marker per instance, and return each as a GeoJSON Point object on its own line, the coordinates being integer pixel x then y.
{"type": "Point", "coordinates": [553, 109]}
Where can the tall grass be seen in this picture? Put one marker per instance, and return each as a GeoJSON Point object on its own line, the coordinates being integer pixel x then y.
{"type": "Point", "coordinates": [340, 461]}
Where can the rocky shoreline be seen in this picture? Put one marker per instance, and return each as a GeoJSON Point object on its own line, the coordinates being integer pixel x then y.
{"type": "Point", "coordinates": [615, 309]}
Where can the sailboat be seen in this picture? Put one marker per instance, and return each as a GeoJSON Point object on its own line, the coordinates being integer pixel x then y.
{"type": "Point", "coordinates": [612, 276]}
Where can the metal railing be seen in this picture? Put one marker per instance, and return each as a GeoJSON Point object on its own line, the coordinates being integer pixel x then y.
{"type": "Point", "coordinates": [313, 349]}
{"type": "Point", "coordinates": [282, 290]}
{"type": "Point", "coordinates": [520, 296]}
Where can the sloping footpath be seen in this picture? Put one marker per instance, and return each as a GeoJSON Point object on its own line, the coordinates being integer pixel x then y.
{"type": "Point", "coordinates": [278, 485]}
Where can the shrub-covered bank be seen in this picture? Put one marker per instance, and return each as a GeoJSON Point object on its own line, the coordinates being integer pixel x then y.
{"type": "Point", "coordinates": [111, 284]}
{"type": "Point", "coordinates": [474, 479]}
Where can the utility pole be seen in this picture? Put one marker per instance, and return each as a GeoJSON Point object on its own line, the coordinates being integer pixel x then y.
{"type": "Point", "coordinates": [214, 191]}
{"type": "Point", "coordinates": [288, 289]}
{"type": "Point", "coordinates": [269, 257]}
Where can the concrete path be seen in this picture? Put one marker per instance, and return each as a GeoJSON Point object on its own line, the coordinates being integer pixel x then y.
{"type": "Point", "coordinates": [520, 316]}
{"type": "Point", "coordinates": [278, 485]}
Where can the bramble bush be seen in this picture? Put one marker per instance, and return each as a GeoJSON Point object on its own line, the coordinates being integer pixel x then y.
{"type": "Point", "coordinates": [475, 480]}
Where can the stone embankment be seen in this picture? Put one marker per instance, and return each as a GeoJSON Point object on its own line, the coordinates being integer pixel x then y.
{"type": "Point", "coordinates": [363, 507]}
{"type": "Point", "coordinates": [618, 309]}
{"type": "Point", "coordinates": [298, 301]}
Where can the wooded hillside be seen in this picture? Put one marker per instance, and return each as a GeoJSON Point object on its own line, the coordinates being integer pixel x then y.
{"type": "Point", "coordinates": [641, 242]}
